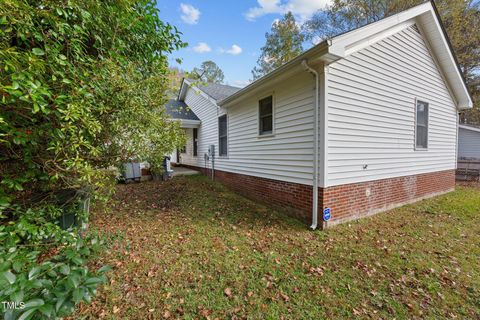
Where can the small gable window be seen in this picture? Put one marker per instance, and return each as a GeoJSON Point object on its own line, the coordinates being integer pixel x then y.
{"type": "Point", "coordinates": [421, 125]}
{"type": "Point", "coordinates": [222, 136]}
{"type": "Point", "coordinates": [265, 111]}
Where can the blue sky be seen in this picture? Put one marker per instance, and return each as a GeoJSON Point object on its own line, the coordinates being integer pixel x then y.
{"type": "Point", "coordinates": [228, 32]}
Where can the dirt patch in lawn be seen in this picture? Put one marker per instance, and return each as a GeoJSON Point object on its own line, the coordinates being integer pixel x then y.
{"type": "Point", "coordinates": [469, 184]}
{"type": "Point", "coordinates": [189, 248]}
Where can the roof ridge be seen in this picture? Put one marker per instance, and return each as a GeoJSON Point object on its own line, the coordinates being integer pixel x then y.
{"type": "Point", "coordinates": [215, 91]}
{"type": "Point", "coordinates": [212, 83]}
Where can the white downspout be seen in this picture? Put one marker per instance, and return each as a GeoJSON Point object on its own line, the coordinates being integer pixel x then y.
{"type": "Point", "coordinates": [315, 149]}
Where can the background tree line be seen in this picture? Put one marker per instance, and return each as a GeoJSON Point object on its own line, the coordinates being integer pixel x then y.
{"type": "Point", "coordinates": [461, 19]}
{"type": "Point", "coordinates": [207, 72]}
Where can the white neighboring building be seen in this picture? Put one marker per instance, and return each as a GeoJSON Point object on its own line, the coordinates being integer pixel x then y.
{"type": "Point", "coordinates": [358, 124]}
{"type": "Point", "coordinates": [468, 142]}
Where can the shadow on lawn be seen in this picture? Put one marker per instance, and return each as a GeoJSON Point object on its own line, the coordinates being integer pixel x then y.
{"type": "Point", "coordinates": [198, 198]}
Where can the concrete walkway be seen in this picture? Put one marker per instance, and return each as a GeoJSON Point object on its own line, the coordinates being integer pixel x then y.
{"type": "Point", "coordinates": [182, 171]}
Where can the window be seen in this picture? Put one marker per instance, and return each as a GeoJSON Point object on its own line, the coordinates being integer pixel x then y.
{"type": "Point", "coordinates": [195, 142]}
{"type": "Point", "coordinates": [421, 125]}
{"type": "Point", "coordinates": [265, 111]}
{"type": "Point", "coordinates": [222, 135]}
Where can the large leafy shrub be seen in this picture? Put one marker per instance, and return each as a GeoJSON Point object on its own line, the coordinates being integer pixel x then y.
{"type": "Point", "coordinates": [81, 90]}
{"type": "Point", "coordinates": [81, 84]}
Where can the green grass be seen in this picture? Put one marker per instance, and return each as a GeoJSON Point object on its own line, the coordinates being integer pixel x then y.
{"type": "Point", "coordinates": [193, 249]}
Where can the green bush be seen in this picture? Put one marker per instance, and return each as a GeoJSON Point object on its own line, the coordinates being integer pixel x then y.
{"type": "Point", "coordinates": [82, 87]}
{"type": "Point", "coordinates": [43, 269]}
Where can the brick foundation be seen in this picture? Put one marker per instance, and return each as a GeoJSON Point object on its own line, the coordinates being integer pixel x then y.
{"type": "Point", "coordinates": [347, 202]}
{"type": "Point", "coordinates": [356, 200]}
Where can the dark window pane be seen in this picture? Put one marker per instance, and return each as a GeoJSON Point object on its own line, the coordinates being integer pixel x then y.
{"type": "Point", "coordinates": [265, 106]}
{"type": "Point", "coordinates": [422, 137]}
{"type": "Point", "coordinates": [420, 117]}
{"type": "Point", "coordinates": [265, 113]}
{"type": "Point", "coordinates": [265, 110]}
{"type": "Point", "coordinates": [195, 142]}
{"type": "Point", "coordinates": [266, 124]}
{"type": "Point", "coordinates": [222, 126]}
{"type": "Point", "coordinates": [422, 113]}
{"type": "Point", "coordinates": [223, 146]}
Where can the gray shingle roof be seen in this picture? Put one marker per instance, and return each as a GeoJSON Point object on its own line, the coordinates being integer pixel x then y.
{"type": "Point", "coordinates": [179, 110]}
{"type": "Point", "coordinates": [217, 91]}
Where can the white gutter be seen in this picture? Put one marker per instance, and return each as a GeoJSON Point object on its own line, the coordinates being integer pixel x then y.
{"type": "Point", "coordinates": [315, 149]}
{"type": "Point", "coordinates": [476, 129]}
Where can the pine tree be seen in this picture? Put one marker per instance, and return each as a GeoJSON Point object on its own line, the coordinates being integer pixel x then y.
{"type": "Point", "coordinates": [209, 72]}
{"type": "Point", "coordinates": [283, 43]}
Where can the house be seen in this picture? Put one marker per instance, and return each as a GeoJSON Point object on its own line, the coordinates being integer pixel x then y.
{"type": "Point", "coordinates": [468, 166]}
{"type": "Point", "coordinates": [358, 124]}
{"type": "Point", "coordinates": [468, 142]}
{"type": "Point", "coordinates": [179, 111]}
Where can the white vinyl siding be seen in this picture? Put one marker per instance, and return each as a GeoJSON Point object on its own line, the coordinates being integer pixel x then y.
{"type": "Point", "coordinates": [287, 156]}
{"type": "Point", "coordinates": [468, 143]}
{"type": "Point", "coordinates": [206, 111]}
{"type": "Point", "coordinates": [371, 112]}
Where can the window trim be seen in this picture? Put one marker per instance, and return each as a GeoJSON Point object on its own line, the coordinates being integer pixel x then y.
{"type": "Point", "coordinates": [259, 98]}
{"type": "Point", "coordinates": [420, 148]}
{"type": "Point", "coordinates": [226, 136]}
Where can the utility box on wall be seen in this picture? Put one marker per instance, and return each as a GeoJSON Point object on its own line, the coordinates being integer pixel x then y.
{"type": "Point", "coordinates": [211, 150]}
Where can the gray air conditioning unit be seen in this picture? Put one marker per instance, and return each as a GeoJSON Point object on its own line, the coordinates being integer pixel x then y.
{"type": "Point", "coordinates": [132, 172]}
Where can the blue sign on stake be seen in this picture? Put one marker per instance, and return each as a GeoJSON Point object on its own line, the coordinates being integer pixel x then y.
{"type": "Point", "coordinates": [326, 214]}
